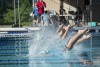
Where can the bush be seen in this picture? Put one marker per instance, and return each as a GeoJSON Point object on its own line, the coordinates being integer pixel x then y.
{"type": "Point", "coordinates": [25, 23]}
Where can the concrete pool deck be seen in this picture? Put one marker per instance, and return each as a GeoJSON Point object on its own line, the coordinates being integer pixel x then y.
{"type": "Point", "coordinates": [19, 29]}
{"type": "Point", "coordinates": [94, 28]}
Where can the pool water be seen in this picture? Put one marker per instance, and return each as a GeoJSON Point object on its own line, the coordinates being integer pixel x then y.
{"type": "Point", "coordinates": [46, 49]}
{"type": "Point", "coordinates": [13, 53]}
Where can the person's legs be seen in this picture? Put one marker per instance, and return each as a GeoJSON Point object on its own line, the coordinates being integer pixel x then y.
{"type": "Point", "coordinates": [39, 19]}
{"type": "Point", "coordinates": [60, 28]}
{"type": "Point", "coordinates": [35, 21]}
{"type": "Point", "coordinates": [75, 37]}
{"type": "Point", "coordinates": [42, 23]}
{"type": "Point", "coordinates": [63, 30]}
{"type": "Point", "coordinates": [46, 23]}
{"type": "Point", "coordinates": [66, 31]}
{"type": "Point", "coordinates": [84, 37]}
{"type": "Point", "coordinates": [81, 32]}
{"type": "Point", "coordinates": [61, 33]}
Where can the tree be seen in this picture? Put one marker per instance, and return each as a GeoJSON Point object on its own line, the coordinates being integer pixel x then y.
{"type": "Point", "coordinates": [8, 14]}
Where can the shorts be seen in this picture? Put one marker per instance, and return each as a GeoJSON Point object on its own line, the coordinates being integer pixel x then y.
{"type": "Point", "coordinates": [44, 23]}
{"type": "Point", "coordinates": [39, 18]}
{"type": "Point", "coordinates": [35, 17]}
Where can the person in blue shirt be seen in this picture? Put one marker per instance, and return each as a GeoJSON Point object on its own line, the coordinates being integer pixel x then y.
{"type": "Point", "coordinates": [45, 19]}
{"type": "Point", "coordinates": [35, 15]}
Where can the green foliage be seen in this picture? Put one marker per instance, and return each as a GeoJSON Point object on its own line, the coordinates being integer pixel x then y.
{"type": "Point", "coordinates": [26, 23]}
{"type": "Point", "coordinates": [25, 10]}
{"type": "Point", "coordinates": [8, 14]}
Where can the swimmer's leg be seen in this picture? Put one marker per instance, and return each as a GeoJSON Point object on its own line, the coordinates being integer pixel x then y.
{"type": "Point", "coordinates": [61, 33]}
{"type": "Point", "coordinates": [80, 32]}
{"type": "Point", "coordinates": [60, 28]}
{"type": "Point", "coordinates": [67, 29]}
{"type": "Point", "coordinates": [73, 40]}
{"type": "Point", "coordinates": [84, 37]}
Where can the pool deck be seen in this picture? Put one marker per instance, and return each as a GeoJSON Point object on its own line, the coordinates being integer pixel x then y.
{"type": "Point", "coordinates": [19, 29]}
{"type": "Point", "coordinates": [23, 33]}
{"type": "Point", "coordinates": [38, 28]}
{"type": "Point", "coordinates": [9, 28]}
{"type": "Point", "coordinates": [94, 27]}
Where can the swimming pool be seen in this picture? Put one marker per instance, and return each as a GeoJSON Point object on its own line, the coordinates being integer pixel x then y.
{"type": "Point", "coordinates": [46, 49]}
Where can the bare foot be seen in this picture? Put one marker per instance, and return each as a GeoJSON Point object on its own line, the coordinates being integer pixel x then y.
{"type": "Point", "coordinates": [60, 28]}
{"type": "Point", "coordinates": [86, 36]}
{"type": "Point", "coordinates": [66, 31]}
{"type": "Point", "coordinates": [83, 31]}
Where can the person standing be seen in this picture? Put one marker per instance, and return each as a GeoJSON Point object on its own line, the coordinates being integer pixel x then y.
{"type": "Point", "coordinates": [40, 5]}
{"type": "Point", "coordinates": [45, 19]}
{"type": "Point", "coordinates": [78, 17]}
{"type": "Point", "coordinates": [35, 14]}
{"type": "Point", "coordinates": [62, 12]}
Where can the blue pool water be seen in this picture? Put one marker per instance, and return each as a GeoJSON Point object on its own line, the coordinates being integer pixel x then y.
{"type": "Point", "coordinates": [46, 49]}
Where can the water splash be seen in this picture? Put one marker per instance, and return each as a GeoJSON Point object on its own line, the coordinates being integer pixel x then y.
{"type": "Point", "coordinates": [46, 43]}
{"type": "Point", "coordinates": [42, 41]}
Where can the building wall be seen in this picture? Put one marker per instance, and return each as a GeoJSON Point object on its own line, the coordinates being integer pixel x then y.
{"type": "Point", "coordinates": [95, 8]}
